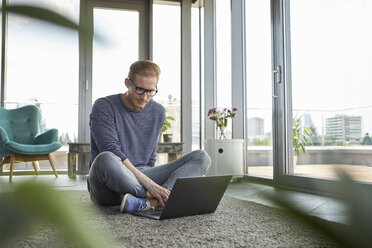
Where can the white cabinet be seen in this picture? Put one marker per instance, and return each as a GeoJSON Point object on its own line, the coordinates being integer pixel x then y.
{"type": "Point", "coordinates": [226, 156]}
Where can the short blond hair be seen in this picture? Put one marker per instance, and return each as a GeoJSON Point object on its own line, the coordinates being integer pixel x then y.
{"type": "Point", "coordinates": [145, 68]}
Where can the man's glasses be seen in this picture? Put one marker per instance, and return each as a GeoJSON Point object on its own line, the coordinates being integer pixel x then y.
{"type": "Point", "coordinates": [141, 91]}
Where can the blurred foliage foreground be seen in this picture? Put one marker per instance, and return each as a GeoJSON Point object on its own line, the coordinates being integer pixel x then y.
{"type": "Point", "coordinates": [36, 207]}
{"type": "Point", "coordinates": [31, 206]}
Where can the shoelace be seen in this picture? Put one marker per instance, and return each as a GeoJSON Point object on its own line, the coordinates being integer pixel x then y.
{"type": "Point", "coordinates": [143, 206]}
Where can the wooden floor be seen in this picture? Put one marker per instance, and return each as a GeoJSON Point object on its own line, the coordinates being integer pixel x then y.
{"type": "Point", "coordinates": [357, 172]}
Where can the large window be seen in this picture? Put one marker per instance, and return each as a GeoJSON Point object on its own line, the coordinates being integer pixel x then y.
{"type": "Point", "coordinates": [196, 17]}
{"type": "Point", "coordinates": [1, 55]}
{"type": "Point", "coordinates": [223, 57]}
{"type": "Point", "coordinates": [42, 69]}
{"type": "Point", "coordinates": [259, 88]}
{"type": "Point", "coordinates": [112, 58]}
{"type": "Point", "coordinates": [331, 85]}
{"type": "Point", "coordinates": [167, 54]}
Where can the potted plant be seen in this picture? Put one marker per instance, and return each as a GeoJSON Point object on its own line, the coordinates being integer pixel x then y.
{"type": "Point", "coordinates": [301, 138]}
{"type": "Point", "coordinates": [167, 137]}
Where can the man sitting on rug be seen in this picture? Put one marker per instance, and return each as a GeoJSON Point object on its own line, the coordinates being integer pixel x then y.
{"type": "Point", "coordinates": [124, 134]}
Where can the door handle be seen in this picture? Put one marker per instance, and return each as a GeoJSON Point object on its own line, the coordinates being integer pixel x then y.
{"type": "Point", "coordinates": [277, 74]}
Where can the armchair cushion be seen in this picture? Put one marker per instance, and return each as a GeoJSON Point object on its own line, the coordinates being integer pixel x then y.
{"type": "Point", "coordinates": [28, 149]}
{"type": "Point", "coordinates": [48, 137]}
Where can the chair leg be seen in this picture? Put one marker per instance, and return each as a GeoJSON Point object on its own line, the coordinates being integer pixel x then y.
{"type": "Point", "coordinates": [12, 158]}
{"type": "Point", "coordinates": [2, 163]}
{"type": "Point", "coordinates": [35, 164]}
{"type": "Point", "coordinates": [52, 164]}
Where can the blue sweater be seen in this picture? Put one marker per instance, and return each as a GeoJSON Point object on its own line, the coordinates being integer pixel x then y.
{"type": "Point", "coordinates": [125, 132]}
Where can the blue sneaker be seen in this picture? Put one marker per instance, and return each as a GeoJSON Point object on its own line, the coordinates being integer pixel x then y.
{"type": "Point", "coordinates": [131, 204]}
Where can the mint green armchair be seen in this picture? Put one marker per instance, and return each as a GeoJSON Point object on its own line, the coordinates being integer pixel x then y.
{"type": "Point", "coordinates": [21, 140]}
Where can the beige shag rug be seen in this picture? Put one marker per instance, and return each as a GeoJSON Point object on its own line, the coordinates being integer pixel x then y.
{"type": "Point", "coordinates": [236, 223]}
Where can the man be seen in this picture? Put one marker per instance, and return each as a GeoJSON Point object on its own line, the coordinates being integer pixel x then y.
{"type": "Point", "coordinates": [124, 133]}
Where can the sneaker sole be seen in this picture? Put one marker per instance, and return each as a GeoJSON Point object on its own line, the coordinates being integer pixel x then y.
{"type": "Point", "coordinates": [123, 202]}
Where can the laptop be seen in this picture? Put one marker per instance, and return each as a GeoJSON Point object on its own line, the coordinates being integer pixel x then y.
{"type": "Point", "coordinates": [191, 196]}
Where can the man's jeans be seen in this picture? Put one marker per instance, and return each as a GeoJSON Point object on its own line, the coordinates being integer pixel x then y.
{"type": "Point", "coordinates": [109, 179]}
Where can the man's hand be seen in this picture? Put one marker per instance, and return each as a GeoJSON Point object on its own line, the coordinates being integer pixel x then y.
{"type": "Point", "coordinates": [155, 190]}
{"type": "Point", "coordinates": [158, 192]}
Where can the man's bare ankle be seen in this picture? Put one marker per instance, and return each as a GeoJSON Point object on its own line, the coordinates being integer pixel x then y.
{"type": "Point", "coordinates": [154, 203]}
{"type": "Point", "coordinates": [148, 196]}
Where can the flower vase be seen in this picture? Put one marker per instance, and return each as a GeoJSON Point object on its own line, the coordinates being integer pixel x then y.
{"type": "Point", "coordinates": [220, 132]}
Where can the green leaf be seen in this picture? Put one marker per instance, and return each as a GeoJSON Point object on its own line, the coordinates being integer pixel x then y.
{"type": "Point", "coordinates": [51, 17]}
{"type": "Point", "coordinates": [30, 202]}
{"type": "Point", "coordinates": [41, 14]}
{"type": "Point", "coordinates": [301, 136]}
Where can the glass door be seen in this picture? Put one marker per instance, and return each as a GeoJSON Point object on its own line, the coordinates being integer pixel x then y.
{"type": "Point", "coordinates": [118, 29]}
{"type": "Point", "coordinates": [329, 120]}
{"type": "Point", "coordinates": [111, 60]}
{"type": "Point", "coordinates": [333, 102]}
{"type": "Point", "coordinates": [120, 37]}
{"type": "Point", "coordinates": [259, 88]}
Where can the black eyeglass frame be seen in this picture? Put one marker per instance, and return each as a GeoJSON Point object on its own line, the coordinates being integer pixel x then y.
{"type": "Point", "coordinates": [144, 90]}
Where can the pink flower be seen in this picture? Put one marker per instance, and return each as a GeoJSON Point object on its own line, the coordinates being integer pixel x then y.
{"type": "Point", "coordinates": [221, 115]}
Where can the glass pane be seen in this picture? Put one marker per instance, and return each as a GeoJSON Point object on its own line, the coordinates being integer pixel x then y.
{"type": "Point", "coordinates": [331, 84]}
{"type": "Point", "coordinates": [196, 77]}
{"type": "Point", "coordinates": [111, 60]}
{"type": "Point", "coordinates": [202, 116]}
{"type": "Point", "coordinates": [1, 50]}
{"type": "Point", "coordinates": [259, 88]}
{"type": "Point", "coordinates": [1, 93]}
{"type": "Point", "coordinates": [223, 60]}
{"type": "Point", "coordinates": [167, 54]}
{"type": "Point", "coordinates": [42, 69]}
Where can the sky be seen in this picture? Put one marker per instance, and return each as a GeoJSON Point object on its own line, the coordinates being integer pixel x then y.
{"type": "Point", "coordinates": [331, 57]}
{"type": "Point", "coordinates": [111, 61]}
{"type": "Point", "coordinates": [331, 53]}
